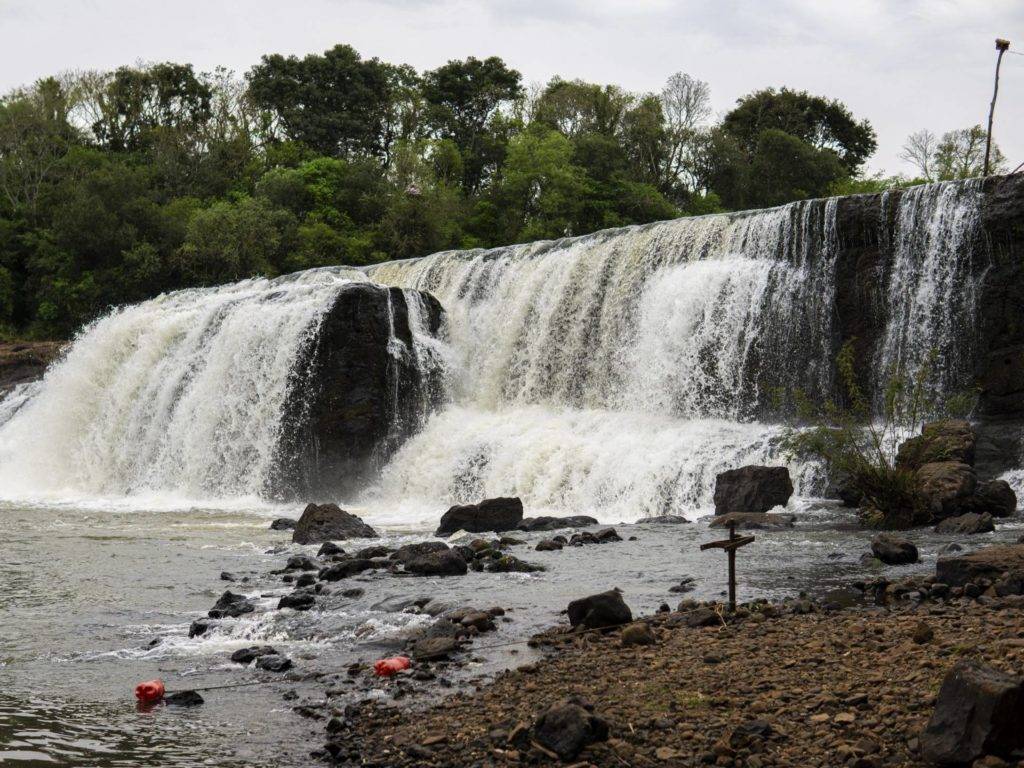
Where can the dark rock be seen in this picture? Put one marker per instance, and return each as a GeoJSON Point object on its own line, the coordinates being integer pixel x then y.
{"type": "Point", "coordinates": [752, 489]}
{"type": "Point", "coordinates": [662, 520]}
{"type": "Point", "coordinates": [230, 605]}
{"type": "Point", "coordinates": [952, 440]}
{"type": "Point", "coordinates": [298, 601]}
{"type": "Point", "coordinates": [433, 648]}
{"type": "Point", "coordinates": [283, 524]}
{"type": "Point", "coordinates": [945, 488]}
{"type": "Point", "coordinates": [548, 545]}
{"type": "Point", "coordinates": [199, 627]}
{"type": "Point", "coordinates": [566, 728]}
{"type": "Point", "coordinates": [606, 609]}
{"type": "Point", "coordinates": [273, 663]}
{"type": "Point", "coordinates": [183, 699]}
{"type": "Point", "coordinates": [555, 523]}
{"type": "Point", "coordinates": [922, 633]}
{"type": "Point", "coordinates": [345, 569]}
{"type": "Point", "coordinates": [979, 711]}
{"type": "Point", "coordinates": [369, 553]}
{"type": "Point", "coordinates": [444, 562]}
{"type": "Point", "coordinates": [302, 563]}
{"type": "Point", "coordinates": [225, 576]}
{"type": "Point", "coordinates": [966, 524]}
{"type": "Point", "coordinates": [354, 592]}
{"type": "Point", "coordinates": [701, 617]}
{"type": "Point", "coordinates": [410, 551]}
{"type": "Point", "coordinates": [1011, 583]}
{"type": "Point", "coordinates": [329, 522]}
{"type": "Point", "coordinates": [990, 563]}
{"type": "Point", "coordinates": [510, 541]}
{"type": "Point", "coordinates": [253, 652]}
{"type": "Point", "coordinates": [607, 535]}
{"type": "Point", "coordinates": [995, 497]}
{"type": "Point", "coordinates": [686, 584]}
{"type": "Point", "coordinates": [752, 520]}
{"type": "Point", "coordinates": [510, 564]}
{"type": "Point", "coordinates": [893, 550]}
{"type": "Point", "coordinates": [501, 514]}
{"type": "Point", "coordinates": [484, 622]}
{"type": "Point", "coordinates": [637, 634]}
{"type": "Point", "coordinates": [329, 549]}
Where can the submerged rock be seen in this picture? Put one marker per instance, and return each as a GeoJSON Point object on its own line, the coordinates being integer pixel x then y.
{"type": "Point", "coordinates": [253, 652]}
{"type": "Point", "coordinates": [345, 569]}
{"type": "Point", "coordinates": [510, 564]}
{"type": "Point", "coordinates": [298, 601]}
{"type": "Point", "coordinates": [752, 489]}
{"type": "Point", "coordinates": [283, 524]}
{"type": "Point", "coordinates": [893, 550]}
{"type": "Point", "coordinates": [501, 514]}
{"type": "Point", "coordinates": [231, 605]}
{"type": "Point", "coordinates": [556, 523]}
{"type": "Point", "coordinates": [606, 609]}
{"type": "Point", "coordinates": [329, 522]}
{"type": "Point", "coordinates": [183, 699]}
{"type": "Point", "coordinates": [274, 663]}
{"type": "Point", "coordinates": [752, 520]}
{"type": "Point", "coordinates": [411, 551]}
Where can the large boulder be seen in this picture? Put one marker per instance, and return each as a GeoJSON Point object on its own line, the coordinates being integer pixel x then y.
{"type": "Point", "coordinates": [568, 727]}
{"type": "Point", "coordinates": [501, 514]}
{"type": "Point", "coordinates": [407, 552]}
{"type": "Point", "coordinates": [995, 498]}
{"type": "Point", "coordinates": [446, 562]}
{"type": "Point", "coordinates": [967, 524]}
{"type": "Point", "coordinates": [989, 563]}
{"type": "Point", "coordinates": [555, 523]}
{"type": "Point", "coordinates": [606, 609]}
{"type": "Point", "coordinates": [329, 522]}
{"type": "Point", "coordinates": [893, 550]}
{"type": "Point", "coordinates": [979, 711]}
{"type": "Point", "coordinates": [939, 441]}
{"type": "Point", "coordinates": [752, 489]}
{"type": "Point", "coordinates": [945, 488]}
{"type": "Point", "coordinates": [358, 389]}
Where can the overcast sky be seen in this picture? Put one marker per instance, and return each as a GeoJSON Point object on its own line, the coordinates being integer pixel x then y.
{"type": "Point", "coordinates": [903, 64]}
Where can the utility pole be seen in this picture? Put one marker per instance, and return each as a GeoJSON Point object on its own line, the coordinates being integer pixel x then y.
{"type": "Point", "coordinates": [1002, 46]}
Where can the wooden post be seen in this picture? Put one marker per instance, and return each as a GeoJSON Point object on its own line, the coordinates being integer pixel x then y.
{"type": "Point", "coordinates": [1002, 46]}
{"type": "Point", "coordinates": [730, 546]}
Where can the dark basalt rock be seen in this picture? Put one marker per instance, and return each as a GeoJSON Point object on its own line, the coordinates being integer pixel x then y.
{"type": "Point", "coordinates": [302, 563]}
{"type": "Point", "coordinates": [230, 605]}
{"type": "Point", "coordinates": [250, 654]}
{"type": "Point", "coordinates": [555, 523]}
{"type": "Point", "coordinates": [298, 601]}
{"type": "Point", "coordinates": [329, 522]}
{"type": "Point", "coordinates": [752, 489]}
{"type": "Point", "coordinates": [893, 550]}
{"type": "Point", "coordinates": [606, 609]}
{"type": "Point", "coordinates": [273, 663]}
{"type": "Point", "coordinates": [345, 569]}
{"type": "Point", "coordinates": [663, 520]}
{"type": "Point", "coordinates": [509, 564]}
{"type": "Point", "coordinates": [283, 524]}
{"type": "Point", "coordinates": [183, 699]}
{"type": "Point", "coordinates": [445, 562]}
{"type": "Point", "coordinates": [988, 563]}
{"type": "Point", "coordinates": [548, 545]}
{"type": "Point", "coordinates": [995, 498]}
{"type": "Point", "coordinates": [568, 727]}
{"type": "Point", "coordinates": [329, 549]}
{"type": "Point", "coordinates": [359, 390]}
{"type": "Point", "coordinates": [967, 524]}
{"type": "Point", "coordinates": [199, 627]}
{"type": "Point", "coordinates": [501, 514]}
{"type": "Point", "coordinates": [410, 551]}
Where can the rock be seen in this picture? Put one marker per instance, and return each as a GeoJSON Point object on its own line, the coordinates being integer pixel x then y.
{"type": "Point", "coordinates": [345, 569]}
{"type": "Point", "coordinates": [662, 520]}
{"type": "Point", "coordinates": [283, 524]}
{"type": "Point", "coordinates": [354, 592]}
{"type": "Point", "coordinates": [273, 663]}
{"type": "Point", "coordinates": [548, 545]}
{"type": "Point", "coordinates": [952, 440]}
{"type": "Point", "coordinates": [329, 522]}
{"type": "Point", "coordinates": [996, 498]}
{"type": "Point", "coordinates": [484, 622]}
{"type": "Point", "coordinates": [501, 514]}
{"type": "Point", "coordinates": [444, 562]}
{"type": "Point", "coordinates": [433, 648]}
{"type": "Point", "coordinates": [701, 617]}
{"type": "Point", "coordinates": [411, 551]}
{"type": "Point", "coordinates": [369, 553]}
{"type": "Point", "coordinates": [686, 584]}
{"type": "Point", "coordinates": [199, 627]}
{"type": "Point", "coordinates": [637, 634]}
{"type": "Point", "coordinates": [567, 727]}
{"type": "Point", "coordinates": [302, 563]}
{"type": "Point", "coordinates": [226, 576]}
{"type": "Point", "coordinates": [966, 524]}
{"type": "Point", "coordinates": [183, 699]}
{"type": "Point", "coordinates": [510, 541]}
{"type": "Point", "coordinates": [945, 488]}
{"type": "Point", "coordinates": [329, 549]}
{"type": "Point", "coordinates": [230, 605]}
{"type": "Point", "coordinates": [555, 523]}
{"type": "Point", "coordinates": [1011, 583]}
{"type": "Point", "coordinates": [922, 633]}
{"type": "Point", "coordinates": [979, 711]}
{"type": "Point", "coordinates": [607, 535]}
{"type": "Point", "coordinates": [510, 564]}
{"type": "Point", "coordinates": [606, 609]}
{"type": "Point", "coordinates": [298, 601]}
{"type": "Point", "coordinates": [752, 489]}
{"type": "Point", "coordinates": [253, 652]}
{"type": "Point", "coordinates": [989, 563]}
{"type": "Point", "coordinates": [893, 550]}
{"type": "Point", "coordinates": [753, 520]}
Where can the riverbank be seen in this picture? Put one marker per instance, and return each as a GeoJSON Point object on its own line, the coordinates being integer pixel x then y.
{"type": "Point", "coordinates": [779, 688]}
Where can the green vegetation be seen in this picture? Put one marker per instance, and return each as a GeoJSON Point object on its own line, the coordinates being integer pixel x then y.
{"type": "Point", "coordinates": [116, 186]}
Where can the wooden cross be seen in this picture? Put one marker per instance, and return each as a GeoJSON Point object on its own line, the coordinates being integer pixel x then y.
{"type": "Point", "coordinates": [730, 546]}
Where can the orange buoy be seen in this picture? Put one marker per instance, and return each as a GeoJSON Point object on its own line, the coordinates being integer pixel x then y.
{"type": "Point", "coordinates": [149, 691]}
{"type": "Point", "coordinates": [389, 667]}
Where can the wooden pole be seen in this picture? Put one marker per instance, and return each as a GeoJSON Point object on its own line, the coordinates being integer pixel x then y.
{"type": "Point", "coordinates": [1002, 46]}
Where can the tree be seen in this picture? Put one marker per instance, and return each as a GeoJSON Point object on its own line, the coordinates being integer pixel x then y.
{"type": "Point", "coordinates": [919, 151]}
{"type": "Point", "coordinates": [686, 107]}
{"type": "Point", "coordinates": [575, 108]}
{"type": "Point", "coordinates": [959, 154]}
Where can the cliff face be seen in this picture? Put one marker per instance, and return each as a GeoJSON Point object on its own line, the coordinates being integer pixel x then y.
{"type": "Point", "coordinates": [360, 389]}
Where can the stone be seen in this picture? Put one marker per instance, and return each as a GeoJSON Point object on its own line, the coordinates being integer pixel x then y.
{"type": "Point", "coordinates": [548, 545]}
{"type": "Point", "coordinates": [701, 617]}
{"type": "Point", "coordinates": [951, 440]}
{"type": "Point", "coordinates": [273, 663]}
{"type": "Point", "coordinates": [662, 520]}
{"type": "Point", "coordinates": [199, 627]}
{"type": "Point", "coordinates": [752, 520]}
{"type": "Point", "coordinates": [297, 601]}
{"type": "Point", "coordinates": [329, 522]}
{"type": "Point", "coordinates": [893, 550]}
{"type": "Point", "coordinates": [253, 652]}
{"type": "Point", "coordinates": [996, 498]}
{"type": "Point", "coordinates": [555, 523]}
{"type": "Point", "coordinates": [752, 489]}
{"type": "Point", "coordinates": [283, 524]}
{"type": "Point", "coordinates": [967, 524]}
{"type": "Point", "coordinates": [988, 563]}
{"type": "Point", "coordinates": [345, 569]}
{"type": "Point", "coordinates": [410, 551]}
{"type": "Point", "coordinates": [945, 488]}
{"type": "Point", "coordinates": [183, 699]}
{"type": "Point", "coordinates": [354, 592]}
{"type": "Point", "coordinates": [606, 609]}
{"type": "Point", "coordinates": [433, 648]}
{"type": "Point", "coordinates": [302, 563]}
{"type": "Point", "coordinates": [230, 605]}
{"type": "Point", "coordinates": [444, 562]}
{"type": "Point", "coordinates": [923, 633]}
{"type": "Point", "coordinates": [501, 514]}
{"type": "Point", "coordinates": [567, 727]}
{"type": "Point", "coordinates": [510, 564]}
{"type": "Point", "coordinates": [637, 634]}
{"type": "Point", "coordinates": [979, 711]}
{"type": "Point", "coordinates": [329, 549]}
{"type": "Point", "coordinates": [482, 621]}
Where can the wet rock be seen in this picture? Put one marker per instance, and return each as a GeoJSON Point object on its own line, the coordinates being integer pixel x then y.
{"type": "Point", "coordinates": [274, 663]}
{"type": "Point", "coordinates": [567, 727]}
{"type": "Point", "coordinates": [990, 563]}
{"type": "Point", "coordinates": [606, 609]}
{"type": "Point", "coordinates": [370, 553]}
{"type": "Point", "coordinates": [302, 563]}
{"type": "Point", "coordinates": [484, 622]}
{"type": "Point", "coordinates": [967, 524]}
{"type": "Point", "coordinates": [283, 524]}
{"type": "Point", "coordinates": [951, 547]}
{"type": "Point", "coordinates": [607, 535]}
{"type": "Point", "coordinates": [199, 627]}
{"type": "Point", "coordinates": [354, 592]}
{"type": "Point", "coordinates": [979, 711]}
{"type": "Point", "coordinates": [548, 545]}
{"type": "Point", "coordinates": [637, 634]}
{"type": "Point", "coordinates": [253, 652]}
{"type": "Point", "coordinates": [329, 549]}
{"type": "Point", "coordinates": [305, 580]}
{"type": "Point", "coordinates": [345, 569]}
{"type": "Point", "coordinates": [753, 520]}
{"type": "Point", "coordinates": [410, 551]}
{"type": "Point", "coordinates": [297, 601]}
{"type": "Point", "coordinates": [329, 522]}
{"type": "Point", "coordinates": [1011, 583]}
{"type": "Point", "coordinates": [945, 488]}
{"type": "Point", "coordinates": [701, 617]}
{"type": "Point", "coordinates": [686, 584]}
{"type": "Point", "coordinates": [433, 648]}
{"type": "Point", "coordinates": [662, 520]}
{"type": "Point", "coordinates": [555, 523]}
{"type": "Point", "coordinates": [995, 497]}
{"type": "Point", "coordinates": [951, 440]}
{"type": "Point", "coordinates": [225, 576]}
{"type": "Point", "coordinates": [183, 699]}
{"type": "Point", "coordinates": [752, 489]}
{"type": "Point", "coordinates": [501, 514]}
{"type": "Point", "coordinates": [444, 562]}
{"type": "Point", "coordinates": [230, 605]}
{"type": "Point", "coordinates": [510, 564]}
{"type": "Point", "coordinates": [510, 541]}
{"type": "Point", "coordinates": [893, 550]}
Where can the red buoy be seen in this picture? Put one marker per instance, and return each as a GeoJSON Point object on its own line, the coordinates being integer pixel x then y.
{"type": "Point", "coordinates": [389, 667]}
{"type": "Point", "coordinates": [149, 691]}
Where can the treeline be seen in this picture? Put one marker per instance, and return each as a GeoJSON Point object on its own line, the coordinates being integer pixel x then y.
{"type": "Point", "coordinates": [116, 186]}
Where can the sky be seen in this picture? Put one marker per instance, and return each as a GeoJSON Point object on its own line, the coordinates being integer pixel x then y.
{"type": "Point", "coordinates": [904, 65]}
